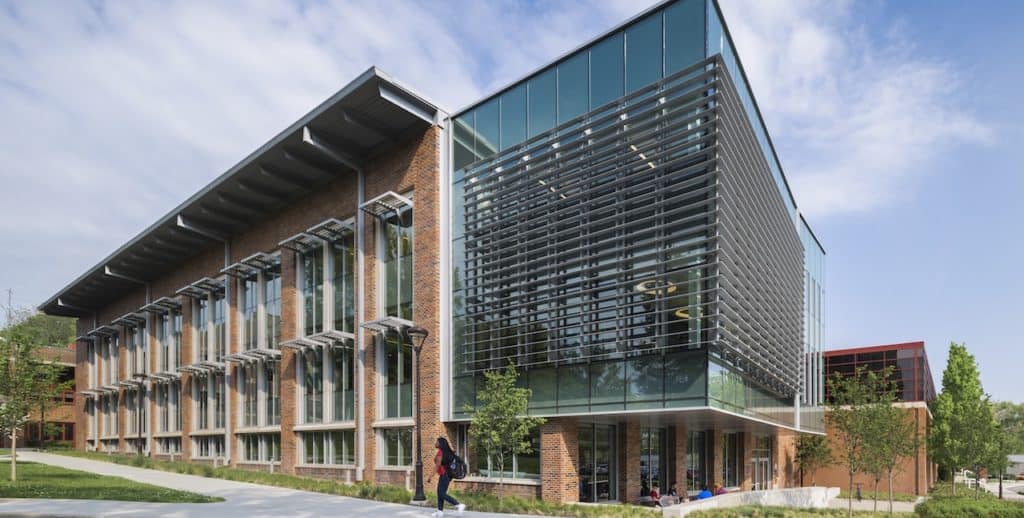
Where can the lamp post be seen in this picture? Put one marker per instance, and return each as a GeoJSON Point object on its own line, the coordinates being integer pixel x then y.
{"type": "Point", "coordinates": [140, 378]}
{"type": "Point", "coordinates": [418, 335]}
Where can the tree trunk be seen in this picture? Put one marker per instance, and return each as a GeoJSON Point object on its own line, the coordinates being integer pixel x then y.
{"type": "Point", "coordinates": [952, 481]}
{"type": "Point", "coordinates": [14, 455]}
{"type": "Point", "coordinates": [42, 426]}
{"type": "Point", "coordinates": [1000, 484]}
{"type": "Point", "coordinates": [876, 495]}
{"type": "Point", "coordinates": [890, 491]}
{"type": "Point", "coordinates": [849, 507]}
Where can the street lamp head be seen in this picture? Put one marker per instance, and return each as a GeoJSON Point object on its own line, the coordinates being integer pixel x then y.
{"type": "Point", "coordinates": [418, 335]}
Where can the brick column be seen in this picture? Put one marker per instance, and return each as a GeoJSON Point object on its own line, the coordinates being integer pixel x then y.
{"type": "Point", "coordinates": [559, 471]}
{"type": "Point", "coordinates": [233, 371]}
{"type": "Point", "coordinates": [185, 400]}
{"type": "Point", "coordinates": [151, 412]}
{"type": "Point", "coordinates": [286, 368]}
{"type": "Point", "coordinates": [715, 475]}
{"type": "Point", "coordinates": [122, 407]}
{"type": "Point", "coordinates": [631, 483]}
{"type": "Point", "coordinates": [747, 481]}
{"type": "Point", "coordinates": [679, 459]}
{"type": "Point", "coordinates": [784, 459]}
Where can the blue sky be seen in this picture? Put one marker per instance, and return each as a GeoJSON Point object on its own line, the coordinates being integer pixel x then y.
{"type": "Point", "coordinates": [898, 124]}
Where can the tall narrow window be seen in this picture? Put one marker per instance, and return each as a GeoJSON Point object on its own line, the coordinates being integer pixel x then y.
{"type": "Point", "coordinates": [176, 338]}
{"type": "Point", "coordinates": [343, 393]}
{"type": "Point", "coordinates": [344, 285]}
{"type": "Point", "coordinates": [397, 446]}
{"type": "Point", "coordinates": [202, 402]}
{"type": "Point", "coordinates": [314, 386]}
{"type": "Point", "coordinates": [273, 393]}
{"type": "Point", "coordinates": [176, 401]}
{"type": "Point", "coordinates": [272, 304]}
{"type": "Point", "coordinates": [313, 291]}
{"type": "Point", "coordinates": [398, 243]}
{"type": "Point", "coordinates": [202, 316]}
{"type": "Point", "coordinates": [250, 324]}
{"type": "Point", "coordinates": [218, 397]}
{"type": "Point", "coordinates": [397, 377]}
{"type": "Point", "coordinates": [220, 338]}
{"type": "Point", "coordinates": [249, 414]}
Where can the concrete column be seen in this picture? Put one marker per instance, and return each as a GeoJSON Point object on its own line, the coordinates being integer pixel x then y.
{"type": "Point", "coordinates": [559, 472]}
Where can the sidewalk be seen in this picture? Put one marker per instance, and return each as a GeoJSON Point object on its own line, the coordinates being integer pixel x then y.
{"type": "Point", "coordinates": [241, 499]}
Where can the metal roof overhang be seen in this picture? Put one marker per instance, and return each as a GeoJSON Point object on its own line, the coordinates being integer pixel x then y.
{"type": "Point", "coordinates": [367, 117]}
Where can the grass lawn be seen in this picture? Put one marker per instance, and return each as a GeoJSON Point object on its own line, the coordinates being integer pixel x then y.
{"type": "Point", "coordinates": [754, 511]}
{"type": "Point", "coordinates": [42, 481]}
{"type": "Point", "coordinates": [381, 493]}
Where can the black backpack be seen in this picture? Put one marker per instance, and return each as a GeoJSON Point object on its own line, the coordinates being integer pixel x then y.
{"type": "Point", "coordinates": [456, 467]}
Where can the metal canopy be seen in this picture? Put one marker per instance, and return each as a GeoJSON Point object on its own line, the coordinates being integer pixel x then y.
{"type": "Point", "coordinates": [367, 117]}
{"type": "Point", "coordinates": [104, 331]}
{"type": "Point", "coordinates": [301, 242]}
{"type": "Point", "coordinates": [202, 288]}
{"type": "Point", "coordinates": [387, 203]}
{"type": "Point", "coordinates": [162, 305]}
{"type": "Point", "coordinates": [331, 229]}
{"type": "Point", "coordinates": [383, 325]}
{"type": "Point", "coordinates": [301, 343]}
{"type": "Point", "coordinates": [129, 320]}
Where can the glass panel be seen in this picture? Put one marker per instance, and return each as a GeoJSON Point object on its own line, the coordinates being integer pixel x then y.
{"type": "Point", "coordinates": [343, 392]}
{"type": "Point", "coordinates": [574, 388]}
{"type": "Point", "coordinates": [606, 70]}
{"type": "Point", "coordinates": [398, 377]}
{"type": "Point", "coordinates": [463, 141]}
{"type": "Point", "coordinates": [542, 95]}
{"type": "Point", "coordinates": [344, 285]}
{"type": "Point", "coordinates": [685, 375]}
{"type": "Point", "coordinates": [684, 34]}
{"type": "Point", "coordinates": [398, 264]}
{"type": "Point", "coordinates": [220, 328]}
{"type": "Point", "coordinates": [314, 386]}
{"type": "Point", "coordinates": [586, 459]}
{"type": "Point", "coordinates": [696, 457]}
{"type": "Point", "coordinates": [487, 129]}
{"type": "Point", "coordinates": [607, 382]}
{"type": "Point", "coordinates": [573, 86]}
{"type": "Point", "coordinates": [313, 291]}
{"type": "Point", "coordinates": [249, 306]}
{"type": "Point", "coordinates": [272, 304]}
{"type": "Point", "coordinates": [643, 52]}
{"type": "Point", "coordinates": [513, 116]}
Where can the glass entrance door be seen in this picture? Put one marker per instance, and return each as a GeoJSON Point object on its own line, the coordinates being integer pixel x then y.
{"type": "Point", "coordinates": [652, 460]}
{"type": "Point", "coordinates": [597, 463]}
{"type": "Point", "coordinates": [762, 473]}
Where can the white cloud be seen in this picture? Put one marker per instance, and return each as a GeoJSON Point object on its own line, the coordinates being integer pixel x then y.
{"type": "Point", "coordinates": [858, 117]}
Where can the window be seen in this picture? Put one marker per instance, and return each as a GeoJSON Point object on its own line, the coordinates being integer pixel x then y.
{"type": "Point", "coordinates": [208, 447]}
{"type": "Point", "coordinates": [164, 404]}
{"type": "Point", "coordinates": [176, 338]}
{"type": "Point", "coordinates": [397, 376]}
{"type": "Point", "coordinates": [220, 338]}
{"type": "Point", "coordinates": [164, 328]}
{"type": "Point", "coordinates": [272, 304]}
{"type": "Point", "coordinates": [313, 291]}
{"type": "Point", "coordinates": [573, 87]}
{"type": "Point", "coordinates": [696, 461]}
{"type": "Point", "coordinates": [684, 35]}
{"type": "Point", "coordinates": [250, 320]}
{"type": "Point", "coordinates": [344, 400]}
{"type": "Point", "coordinates": [643, 52]}
{"type": "Point", "coordinates": [513, 116]}
{"type": "Point", "coordinates": [488, 128]}
{"type": "Point", "coordinates": [260, 447]}
{"type": "Point", "coordinates": [250, 394]}
{"type": "Point", "coordinates": [330, 447]}
{"type": "Point", "coordinates": [397, 446]}
{"type": "Point", "coordinates": [273, 385]}
{"type": "Point", "coordinates": [652, 458]}
{"type": "Point", "coordinates": [732, 459]}
{"type": "Point", "coordinates": [541, 102]}
{"type": "Point", "coordinates": [176, 402]}
{"type": "Point", "coordinates": [343, 284]}
{"type": "Point", "coordinates": [168, 445]}
{"type": "Point", "coordinates": [606, 68]}
{"type": "Point", "coordinates": [313, 386]}
{"type": "Point", "coordinates": [218, 397]}
{"type": "Point", "coordinates": [200, 324]}
{"type": "Point", "coordinates": [398, 243]}
{"type": "Point", "coordinates": [524, 465]}
{"type": "Point", "coordinates": [202, 403]}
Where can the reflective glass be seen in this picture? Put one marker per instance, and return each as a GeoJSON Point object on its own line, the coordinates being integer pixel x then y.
{"type": "Point", "coordinates": [573, 87]}
{"type": "Point", "coordinates": [541, 105]}
{"type": "Point", "coordinates": [513, 116]}
{"type": "Point", "coordinates": [606, 70]}
{"type": "Point", "coordinates": [463, 141]}
{"type": "Point", "coordinates": [607, 382]}
{"type": "Point", "coordinates": [684, 34]}
{"type": "Point", "coordinates": [488, 126]}
{"type": "Point", "coordinates": [643, 52]}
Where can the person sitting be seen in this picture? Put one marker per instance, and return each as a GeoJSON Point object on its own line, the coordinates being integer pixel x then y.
{"type": "Point", "coordinates": [655, 495]}
{"type": "Point", "coordinates": [719, 490]}
{"type": "Point", "coordinates": [704, 493]}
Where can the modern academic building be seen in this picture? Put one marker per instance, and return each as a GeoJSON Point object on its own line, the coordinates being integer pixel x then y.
{"type": "Point", "coordinates": [915, 391]}
{"type": "Point", "coordinates": [616, 225]}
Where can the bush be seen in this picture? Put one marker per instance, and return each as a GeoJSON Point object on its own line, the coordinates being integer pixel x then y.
{"type": "Point", "coordinates": [753, 511]}
{"type": "Point", "coordinates": [969, 507]}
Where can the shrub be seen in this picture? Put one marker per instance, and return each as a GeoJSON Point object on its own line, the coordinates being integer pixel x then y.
{"type": "Point", "coordinates": [969, 507]}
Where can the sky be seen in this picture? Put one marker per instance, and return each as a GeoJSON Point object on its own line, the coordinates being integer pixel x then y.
{"type": "Point", "coordinates": [898, 124]}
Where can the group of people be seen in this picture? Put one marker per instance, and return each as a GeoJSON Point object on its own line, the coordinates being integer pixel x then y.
{"type": "Point", "coordinates": [672, 497]}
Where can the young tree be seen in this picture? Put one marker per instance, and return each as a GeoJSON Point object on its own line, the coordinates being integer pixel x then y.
{"type": "Point", "coordinates": [851, 396]}
{"type": "Point", "coordinates": [812, 454]}
{"type": "Point", "coordinates": [500, 428]}
{"type": "Point", "coordinates": [955, 435]}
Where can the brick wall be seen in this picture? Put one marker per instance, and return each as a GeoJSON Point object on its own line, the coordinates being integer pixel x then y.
{"type": "Point", "coordinates": [559, 445]}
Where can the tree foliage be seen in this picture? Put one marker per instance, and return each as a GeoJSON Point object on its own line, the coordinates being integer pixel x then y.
{"type": "Point", "coordinates": [500, 428]}
{"type": "Point", "coordinates": [964, 427]}
{"type": "Point", "coordinates": [812, 454]}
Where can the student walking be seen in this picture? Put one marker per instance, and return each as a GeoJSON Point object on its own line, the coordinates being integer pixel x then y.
{"type": "Point", "coordinates": [442, 460]}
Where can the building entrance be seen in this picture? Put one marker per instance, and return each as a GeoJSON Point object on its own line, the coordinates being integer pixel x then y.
{"type": "Point", "coordinates": [597, 463]}
{"type": "Point", "coordinates": [761, 463]}
{"type": "Point", "coordinates": [652, 460]}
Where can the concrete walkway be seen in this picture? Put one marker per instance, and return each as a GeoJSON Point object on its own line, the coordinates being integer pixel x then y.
{"type": "Point", "coordinates": [1011, 489]}
{"type": "Point", "coordinates": [241, 499]}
